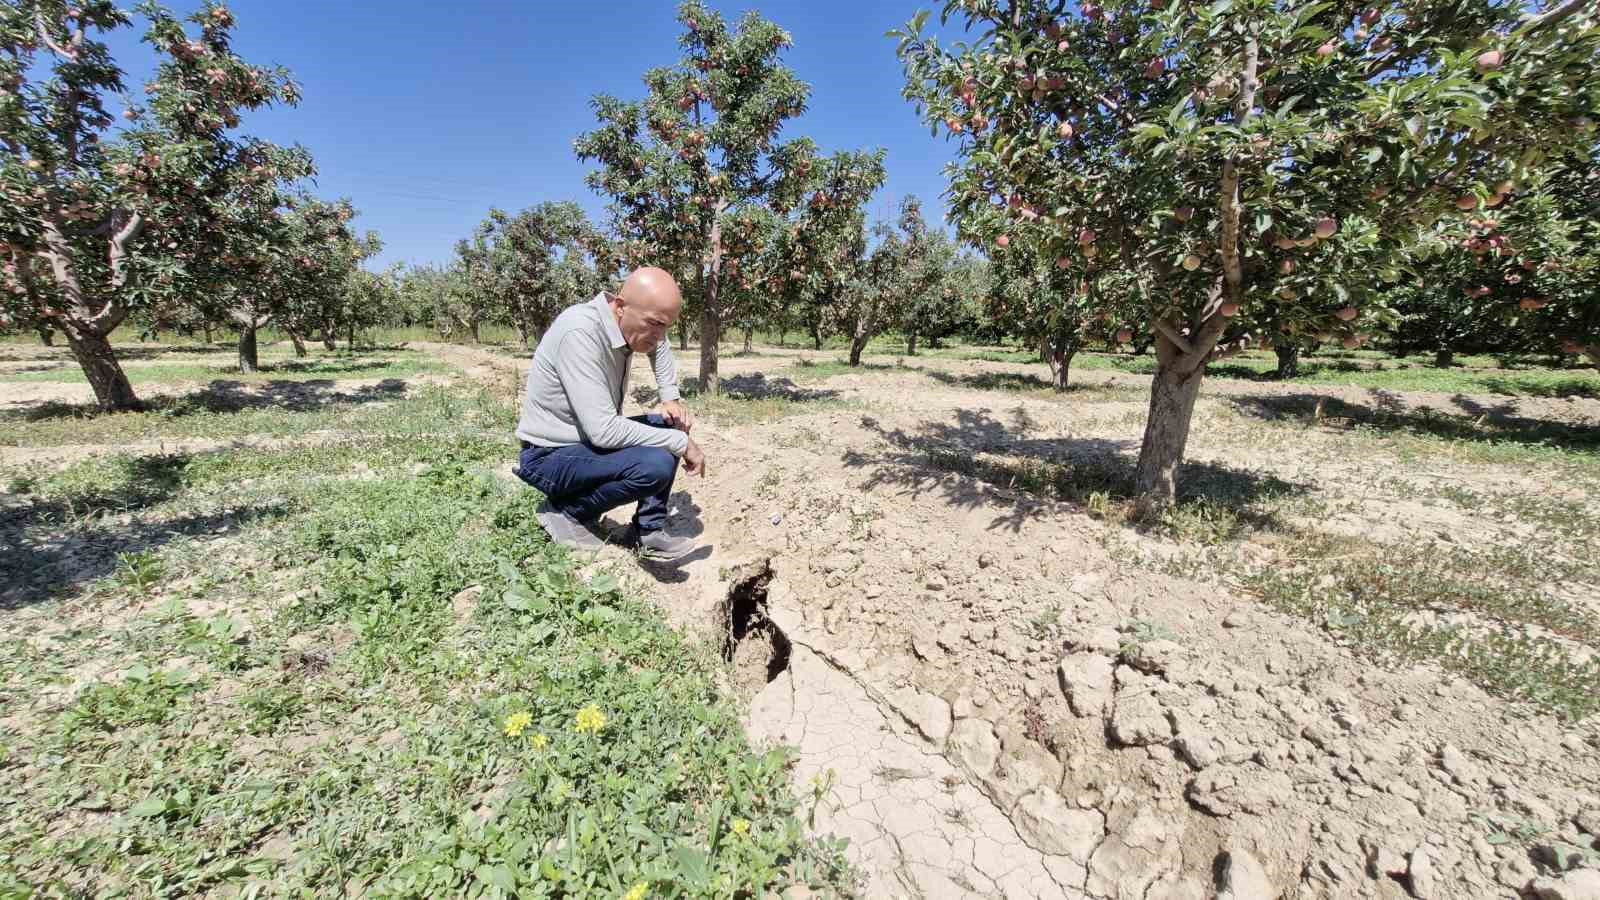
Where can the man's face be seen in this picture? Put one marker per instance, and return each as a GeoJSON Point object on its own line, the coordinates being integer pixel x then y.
{"type": "Point", "coordinates": [644, 322]}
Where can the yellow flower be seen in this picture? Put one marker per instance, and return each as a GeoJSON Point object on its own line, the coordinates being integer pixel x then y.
{"type": "Point", "coordinates": [590, 719]}
{"type": "Point", "coordinates": [637, 892]}
{"type": "Point", "coordinates": [540, 742]}
{"type": "Point", "coordinates": [741, 827]}
{"type": "Point", "coordinates": [516, 722]}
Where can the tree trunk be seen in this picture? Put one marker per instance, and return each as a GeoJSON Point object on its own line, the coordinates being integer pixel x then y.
{"type": "Point", "coordinates": [1288, 361]}
{"type": "Point", "coordinates": [249, 361]}
{"type": "Point", "coordinates": [353, 336]}
{"type": "Point", "coordinates": [1166, 430]}
{"type": "Point", "coordinates": [857, 344]}
{"type": "Point", "coordinates": [205, 331]}
{"type": "Point", "coordinates": [299, 344]}
{"type": "Point", "coordinates": [1059, 364]}
{"type": "Point", "coordinates": [328, 342]}
{"type": "Point", "coordinates": [749, 336]}
{"type": "Point", "coordinates": [47, 335]}
{"type": "Point", "coordinates": [112, 391]}
{"type": "Point", "coordinates": [911, 344]}
{"type": "Point", "coordinates": [816, 334]}
{"type": "Point", "coordinates": [683, 334]}
{"type": "Point", "coordinates": [1593, 352]}
{"type": "Point", "coordinates": [711, 316]}
{"type": "Point", "coordinates": [1444, 357]}
{"type": "Point", "coordinates": [473, 325]}
{"type": "Point", "coordinates": [783, 336]}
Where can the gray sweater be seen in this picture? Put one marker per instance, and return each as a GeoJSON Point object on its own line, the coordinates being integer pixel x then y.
{"type": "Point", "coordinates": [578, 379]}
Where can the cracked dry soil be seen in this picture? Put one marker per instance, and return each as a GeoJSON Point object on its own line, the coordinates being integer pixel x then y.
{"type": "Point", "coordinates": [980, 704]}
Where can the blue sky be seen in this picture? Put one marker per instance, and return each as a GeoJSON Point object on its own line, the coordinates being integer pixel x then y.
{"type": "Point", "coordinates": [427, 113]}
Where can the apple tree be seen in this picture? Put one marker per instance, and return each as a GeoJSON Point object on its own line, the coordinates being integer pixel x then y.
{"type": "Point", "coordinates": [702, 145]}
{"type": "Point", "coordinates": [543, 257]}
{"type": "Point", "coordinates": [1220, 154]}
{"type": "Point", "coordinates": [92, 219]}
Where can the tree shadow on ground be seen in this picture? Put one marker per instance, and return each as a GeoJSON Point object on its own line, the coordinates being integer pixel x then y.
{"type": "Point", "coordinates": [1387, 411]}
{"type": "Point", "coordinates": [51, 545]}
{"type": "Point", "coordinates": [1020, 474]}
{"type": "Point", "coordinates": [755, 386]}
{"type": "Point", "coordinates": [226, 396]}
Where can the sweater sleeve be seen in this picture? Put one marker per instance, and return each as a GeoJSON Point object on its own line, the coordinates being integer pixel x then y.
{"type": "Point", "coordinates": [588, 390]}
{"type": "Point", "coordinates": [666, 369]}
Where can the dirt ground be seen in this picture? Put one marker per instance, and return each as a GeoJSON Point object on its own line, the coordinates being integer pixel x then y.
{"type": "Point", "coordinates": [998, 694]}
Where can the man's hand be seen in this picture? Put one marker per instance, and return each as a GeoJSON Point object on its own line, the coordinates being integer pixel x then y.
{"type": "Point", "coordinates": [694, 459]}
{"type": "Point", "coordinates": [678, 415]}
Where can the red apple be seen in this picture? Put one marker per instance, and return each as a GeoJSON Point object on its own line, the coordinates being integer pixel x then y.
{"type": "Point", "coordinates": [1347, 314]}
{"type": "Point", "coordinates": [1326, 50]}
{"type": "Point", "coordinates": [1086, 237]}
{"type": "Point", "coordinates": [1286, 266]}
{"type": "Point", "coordinates": [1064, 131]}
{"type": "Point", "coordinates": [1489, 60]}
{"type": "Point", "coordinates": [1352, 342]}
{"type": "Point", "coordinates": [1531, 303]}
{"type": "Point", "coordinates": [1155, 67]}
{"type": "Point", "coordinates": [1466, 202]}
{"type": "Point", "coordinates": [1229, 309]}
{"type": "Point", "coordinates": [1063, 262]}
{"type": "Point", "coordinates": [1003, 240]}
{"type": "Point", "coordinates": [1191, 262]}
{"type": "Point", "coordinates": [1124, 335]}
{"type": "Point", "coordinates": [1326, 227]}
{"type": "Point", "coordinates": [954, 124]}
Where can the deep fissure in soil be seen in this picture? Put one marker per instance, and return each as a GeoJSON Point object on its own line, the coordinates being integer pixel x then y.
{"type": "Point", "coordinates": [752, 643]}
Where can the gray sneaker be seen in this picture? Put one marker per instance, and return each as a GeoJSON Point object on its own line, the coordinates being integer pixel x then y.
{"type": "Point", "coordinates": [567, 531]}
{"type": "Point", "coordinates": [663, 547]}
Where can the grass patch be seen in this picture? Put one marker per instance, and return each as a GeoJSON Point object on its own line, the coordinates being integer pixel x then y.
{"type": "Point", "coordinates": [750, 399]}
{"type": "Point", "coordinates": [1396, 602]}
{"type": "Point", "coordinates": [347, 722]}
{"type": "Point", "coordinates": [347, 366]}
{"type": "Point", "coordinates": [394, 410]}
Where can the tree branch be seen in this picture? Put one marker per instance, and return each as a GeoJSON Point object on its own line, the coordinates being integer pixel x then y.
{"type": "Point", "coordinates": [1178, 340]}
{"type": "Point", "coordinates": [118, 252]}
{"type": "Point", "coordinates": [1550, 17]}
{"type": "Point", "coordinates": [45, 38]}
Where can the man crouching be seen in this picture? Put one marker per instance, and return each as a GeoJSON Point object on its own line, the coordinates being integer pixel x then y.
{"type": "Point", "coordinates": [578, 448]}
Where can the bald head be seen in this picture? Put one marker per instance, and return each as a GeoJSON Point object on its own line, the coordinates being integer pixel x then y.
{"type": "Point", "coordinates": [646, 306]}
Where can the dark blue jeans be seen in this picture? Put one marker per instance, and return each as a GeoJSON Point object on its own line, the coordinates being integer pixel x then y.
{"type": "Point", "coordinates": [587, 482]}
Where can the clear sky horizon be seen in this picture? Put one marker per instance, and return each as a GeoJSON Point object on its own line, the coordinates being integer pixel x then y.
{"type": "Point", "coordinates": [427, 114]}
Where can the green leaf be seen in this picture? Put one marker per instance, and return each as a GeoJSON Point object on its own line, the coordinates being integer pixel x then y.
{"type": "Point", "coordinates": [1373, 155]}
{"type": "Point", "coordinates": [604, 583]}
{"type": "Point", "coordinates": [150, 808]}
{"type": "Point", "coordinates": [693, 864]}
{"type": "Point", "coordinates": [499, 876]}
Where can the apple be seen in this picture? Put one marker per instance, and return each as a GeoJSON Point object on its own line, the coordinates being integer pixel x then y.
{"type": "Point", "coordinates": [1531, 303]}
{"type": "Point", "coordinates": [1286, 266]}
{"type": "Point", "coordinates": [1381, 44]}
{"type": "Point", "coordinates": [1124, 335]}
{"type": "Point", "coordinates": [1284, 243]}
{"type": "Point", "coordinates": [1326, 227]}
{"type": "Point", "coordinates": [1287, 294]}
{"type": "Point", "coordinates": [1063, 262]}
{"type": "Point", "coordinates": [954, 124]}
{"type": "Point", "coordinates": [1379, 192]}
{"type": "Point", "coordinates": [1347, 314]}
{"type": "Point", "coordinates": [1064, 131]}
{"type": "Point", "coordinates": [1326, 50]}
{"type": "Point", "coordinates": [1370, 17]}
{"type": "Point", "coordinates": [1086, 237]}
{"type": "Point", "coordinates": [1229, 309]}
{"type": "Point", "coordinates": [1063, 46]}
{"type": "Point", "coordinates": [1183, 213]}
{"type": "Point", "coordinates": [1466, 202]}
{"type": "Point", "coordinates": [979, 122]}
{"type": "Point", "coordinates": [1155, 67]}
{"type": "Point", "coordinates": [1352, 342]}
{"type": "Point", "coordinates": [1489, 60]}
{"type": "Point", "coordinates": [1191, 262]}
{"type": "Point", "coordinates": [1003, 240]}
